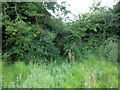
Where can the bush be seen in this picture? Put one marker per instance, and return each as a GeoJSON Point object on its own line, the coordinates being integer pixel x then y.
{"type": "Point", "coordinates": [109, 49]}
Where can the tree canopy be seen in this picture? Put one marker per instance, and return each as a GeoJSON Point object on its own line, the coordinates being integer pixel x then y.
{"type": "Point", "coordinates": [29, 30]}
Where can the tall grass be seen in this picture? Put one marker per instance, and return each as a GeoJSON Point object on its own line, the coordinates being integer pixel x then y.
{"type": "Point", "coordinates": [0, 72]}
{"type": "Point", "coordinates": [14, 74]}
{"type": "Point", "coordinates": [90, 73]}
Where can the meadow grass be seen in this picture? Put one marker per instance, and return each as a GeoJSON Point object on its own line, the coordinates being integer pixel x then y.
{"type": "Point", "coordinates": [91, 72]}
{"type": "Point", "coordinates": [0, 73]}
{"type": "Point", "coordinates": [14, 74]}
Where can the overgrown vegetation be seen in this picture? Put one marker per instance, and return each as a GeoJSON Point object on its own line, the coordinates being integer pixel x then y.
{"type": "Point", "coordinates": [91, 73]}
{"type": "Point", "coordinates": [42, 50]}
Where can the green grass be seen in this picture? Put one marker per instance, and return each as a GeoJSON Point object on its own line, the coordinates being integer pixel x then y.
{"type": "Point", "coordinates": [14, 74]}
{"type": "Point", "coordinates": [90, 73]}
{"type": "Point", "coordinates": [0, 73]}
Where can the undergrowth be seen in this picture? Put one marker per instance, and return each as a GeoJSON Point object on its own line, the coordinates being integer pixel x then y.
{"type": "Point", "coordinates": [89, 73]}
{"type": "Point", "coordinates": [14, 74]}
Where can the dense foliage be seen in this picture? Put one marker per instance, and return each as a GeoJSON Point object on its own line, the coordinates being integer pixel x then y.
{"type": "Point", "coordinates": [42, 48]}
{"type": "Point", "coordinates": [30, 31]}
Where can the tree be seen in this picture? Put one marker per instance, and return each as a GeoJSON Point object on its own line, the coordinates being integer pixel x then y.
{"type": "Point", "coordinates": [26, 26]}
